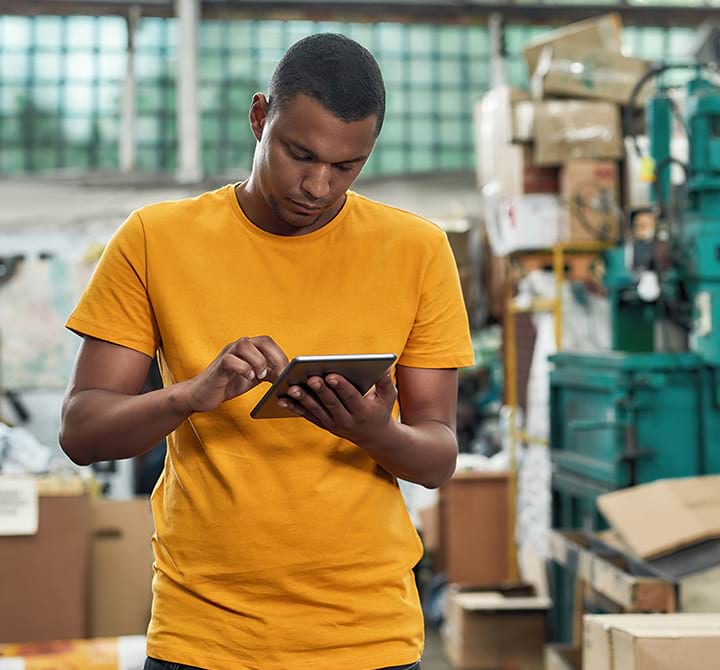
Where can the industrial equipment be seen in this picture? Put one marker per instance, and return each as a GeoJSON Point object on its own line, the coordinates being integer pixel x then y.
{"type": "Point", "coordinates": [650, 408]}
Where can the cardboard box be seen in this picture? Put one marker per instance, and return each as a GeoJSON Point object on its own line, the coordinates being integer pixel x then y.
{"type": "Point", "coordinates": [498, 159]}
{"type": "Point", "coordinates": [43, 577]}
{"type": "Point", "coordinates": [124, 653]}
{"type": "Point", "coordinates": [603, 33]}
{"type": "Point", "coordinates": [651, 641]}
{"type": "Point", "coordinates": [530, 221]}
{"type": "Point", "coordinates": [475, 528]}
{"type": "Point", "coordinates": [578, 73]}
{"type": "Point", "coordinates": [490, 630]}
{"type": "Point", "coordinates": [121, 567]}
{"type": "Point", "coordinates": [568, 129]}
{"type": "Point", "coordinates": [591, 201]}
{"type": "Point", "coordinates": [661, 517]}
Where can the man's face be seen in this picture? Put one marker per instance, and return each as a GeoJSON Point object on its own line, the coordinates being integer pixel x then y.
{"type": "Point", "coordinates": [305, 161]}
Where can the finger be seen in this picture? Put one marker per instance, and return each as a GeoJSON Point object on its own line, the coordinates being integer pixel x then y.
{"type": "Point", "coordinates": [385, 388]}
{"type": "Point", "coordinates": [346, 392]}
{"type": "Point", "coordinates": [231, 366]}
{"type": "Point", "coordinates": [329, 399]}
{"type": "Point", "coordinates": [309, 401]}
{"type": "Point", "coordinates": [274, 356]}
{"type": "Point", "coordinates": [246, 350]}
{"type": "Point", "coordinates": [297, 408]}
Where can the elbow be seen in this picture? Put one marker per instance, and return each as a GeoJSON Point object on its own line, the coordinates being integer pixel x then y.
{"type": "Point", "coordinates": [436, 481]}
{"type": "Point", "coordinates": [441, 474]}
{"type": "Point", "coordinates": [72, 449]}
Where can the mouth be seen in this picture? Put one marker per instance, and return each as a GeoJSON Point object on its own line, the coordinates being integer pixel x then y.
{"type": "Point", "coordinates": [301, 208]}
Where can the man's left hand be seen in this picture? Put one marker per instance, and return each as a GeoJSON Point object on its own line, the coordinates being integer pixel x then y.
{"type": "Point", "coordinates": [334, 404]}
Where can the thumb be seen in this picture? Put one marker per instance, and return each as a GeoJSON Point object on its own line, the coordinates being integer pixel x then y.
{"type": "Point", "coordinates": [384, 386]}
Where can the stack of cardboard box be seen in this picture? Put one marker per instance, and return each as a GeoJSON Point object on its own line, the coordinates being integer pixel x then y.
{"type": "Point", "coordinates": [548, 159]}
{"type": "Point", "coordinates": [662, 554]}
{"type": "Point", "coordinates": [81, 567]}
{"type": "Point", "coordinates": [651, 642]}
{"type": "Point", "coordinates": [493, 618]}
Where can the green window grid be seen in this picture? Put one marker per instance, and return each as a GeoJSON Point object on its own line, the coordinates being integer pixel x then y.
{"type": "Point", "coordinates": [155, 94]}
{"type": "Point", "coordinates": [58, 93]}
{"type": "Point", "coordinates": [61, 82]}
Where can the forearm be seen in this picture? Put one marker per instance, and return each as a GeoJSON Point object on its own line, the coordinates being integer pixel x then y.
{"type": "Point", "coordinates": [100, 425]}
{"type": "Point", "coordinates": [424, 453]}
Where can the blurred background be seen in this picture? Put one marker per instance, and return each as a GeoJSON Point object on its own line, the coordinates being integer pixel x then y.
{"type": "Point", "coordinates": [532, 133]}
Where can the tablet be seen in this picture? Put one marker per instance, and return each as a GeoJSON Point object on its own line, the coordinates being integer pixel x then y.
{"type": "Point", "coordinates": [361, 370]}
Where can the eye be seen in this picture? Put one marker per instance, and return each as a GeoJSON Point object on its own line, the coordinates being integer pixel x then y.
{"type": "Point", "coordinates": [344, 168]}
{"type": "Point", "coordinates": [299, 157]}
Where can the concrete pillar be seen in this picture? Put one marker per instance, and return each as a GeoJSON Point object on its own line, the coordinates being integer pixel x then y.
{"type": "Point", "coordinates": [128, 126]}
{"type": "Point", "coordinates": [189, 168]}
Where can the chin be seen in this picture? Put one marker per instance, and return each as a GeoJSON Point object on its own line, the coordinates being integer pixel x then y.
{"type": "Point", "coordinates": [296, 220]}
{"type": "Point", "coordinates": [290, 219]}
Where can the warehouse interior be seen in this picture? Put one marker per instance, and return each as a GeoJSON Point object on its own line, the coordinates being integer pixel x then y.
{"type": "Point", "coordinates": [570, 152]}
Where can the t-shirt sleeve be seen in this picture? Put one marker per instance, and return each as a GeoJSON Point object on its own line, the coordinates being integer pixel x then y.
{"type": "Point", "coordinates": [440, 336]}
{"type": "Point", "coordinates": [115, 305]}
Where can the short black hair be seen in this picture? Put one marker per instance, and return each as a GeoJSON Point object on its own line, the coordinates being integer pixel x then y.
{"type": "Point", "coordinates": [342, 75]}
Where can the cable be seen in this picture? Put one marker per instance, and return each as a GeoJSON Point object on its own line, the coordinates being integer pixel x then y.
{"type": "Point", "coordinates": [607, 207]}
{"type": "Point", "coordinates": [655, 71]}
{"type": "Point", "coordinates": [661, 165]}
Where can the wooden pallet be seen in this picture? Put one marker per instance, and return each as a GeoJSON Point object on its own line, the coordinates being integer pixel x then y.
{"type": "Point", "coordinates": [607, 579]}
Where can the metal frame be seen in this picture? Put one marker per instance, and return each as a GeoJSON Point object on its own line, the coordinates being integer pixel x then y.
{"type": "Point", "coordinates": [450, 11]}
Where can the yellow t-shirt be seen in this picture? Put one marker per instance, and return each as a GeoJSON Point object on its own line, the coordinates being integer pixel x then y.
{"type": "Point", "coordinates": [278, 545]}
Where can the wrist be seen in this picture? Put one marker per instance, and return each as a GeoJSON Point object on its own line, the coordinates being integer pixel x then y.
{"type": "Point", "coordinates": [180, 399]}
{"type": "Point", "coordinates": [382, 437]}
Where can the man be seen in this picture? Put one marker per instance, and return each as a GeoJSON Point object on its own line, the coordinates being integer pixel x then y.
{"type": "Point", "coordinates": [280, 544]}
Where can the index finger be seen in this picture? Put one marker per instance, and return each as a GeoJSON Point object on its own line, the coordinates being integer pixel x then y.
{"type": "Point", "coordinates": [274, 355]}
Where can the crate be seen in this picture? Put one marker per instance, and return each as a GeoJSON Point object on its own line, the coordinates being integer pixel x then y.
{"type": "Point", "coordinates": [591, 576]}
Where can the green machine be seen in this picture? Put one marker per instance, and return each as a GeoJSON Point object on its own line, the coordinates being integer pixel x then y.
{"type": "Point", "coordinates": [650, 408]}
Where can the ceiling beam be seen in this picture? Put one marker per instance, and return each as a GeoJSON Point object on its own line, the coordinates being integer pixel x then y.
{"type": "Point", "coordinates": [450, 11]}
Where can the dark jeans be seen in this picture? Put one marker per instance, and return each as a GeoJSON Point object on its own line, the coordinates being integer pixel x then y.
{"type": "Point", "coordinates": [154, 664]}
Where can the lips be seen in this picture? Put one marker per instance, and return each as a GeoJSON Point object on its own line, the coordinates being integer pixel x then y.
{"type": "Point", "coordinates": [304, 208]}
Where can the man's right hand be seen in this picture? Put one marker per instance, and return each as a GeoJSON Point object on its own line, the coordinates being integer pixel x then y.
{"type": "Point", "coordinates": [239, 367]}
{"type": "Point", "coordinates": [105, 416]}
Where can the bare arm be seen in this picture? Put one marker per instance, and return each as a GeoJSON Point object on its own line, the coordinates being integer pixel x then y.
{"type": "Point", "coordinates": [104, 416]}
{"type": "Point", "coordinates": [421, 449]}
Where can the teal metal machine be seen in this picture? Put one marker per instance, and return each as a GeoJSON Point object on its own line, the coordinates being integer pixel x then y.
{"type": "Point", "coordinates": [650, 408]}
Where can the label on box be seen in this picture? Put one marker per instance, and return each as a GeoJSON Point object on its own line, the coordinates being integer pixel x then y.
{"type": "Point", "coordinates": [18, 506]}
{"type": "Point", "coordinates": [12, 664]}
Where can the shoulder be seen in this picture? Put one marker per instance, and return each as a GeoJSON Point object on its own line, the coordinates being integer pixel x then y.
{"type": "Point", "coordinates": [159, 216]}
{"type": "Point", "coordinates": [392, 223]}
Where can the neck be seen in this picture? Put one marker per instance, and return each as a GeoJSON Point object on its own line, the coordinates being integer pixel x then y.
{"type": "Point", "coordinates": [259, 212]}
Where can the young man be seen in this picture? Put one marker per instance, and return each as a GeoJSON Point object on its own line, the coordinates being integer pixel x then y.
{"type": "Point", "coordinates": [279, 544]}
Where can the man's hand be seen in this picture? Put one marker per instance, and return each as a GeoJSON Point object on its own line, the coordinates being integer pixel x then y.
{"type": "Point", "coordinates": [421, 449]}
{"type": "Point", "coordinates": [334, 404]}
{"type": "Point", "coordinates": [239, 367]}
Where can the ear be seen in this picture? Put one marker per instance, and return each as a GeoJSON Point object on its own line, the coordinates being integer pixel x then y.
{"type": "Point", "coordinates": [258, 114]}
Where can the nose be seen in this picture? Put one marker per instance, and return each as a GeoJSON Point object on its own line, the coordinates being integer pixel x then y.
{"type": "Point", "coordinates": [316, 181]}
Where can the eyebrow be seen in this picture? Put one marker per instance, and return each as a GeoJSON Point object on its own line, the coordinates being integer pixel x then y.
{"type": "Point", "coordinates": [303, 148]}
